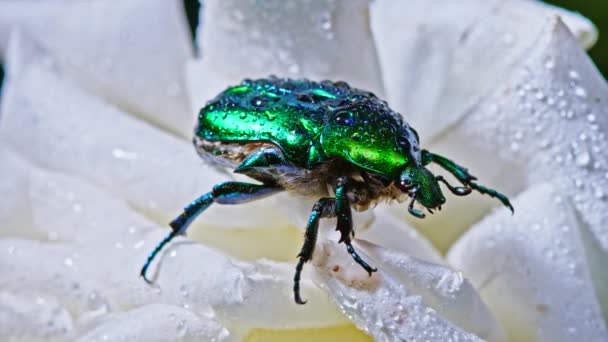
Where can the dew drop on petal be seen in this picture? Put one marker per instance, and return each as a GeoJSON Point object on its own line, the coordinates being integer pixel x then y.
{"type": "Point", "coordinates": [583, 159]}
{"type": "Point", "coordinates": [580, 91]}
{"type": "Point", "coordinates": [574, 75]}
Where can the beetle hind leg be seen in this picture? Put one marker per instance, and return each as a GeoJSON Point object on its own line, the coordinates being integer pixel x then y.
{"type": "Point", "coordinates": [223, 193]}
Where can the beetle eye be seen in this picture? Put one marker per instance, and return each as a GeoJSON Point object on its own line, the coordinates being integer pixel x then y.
{"type": "Point", "coordinates": [405, 185]}
{"type": "Point", "coordinates": [345, 118]}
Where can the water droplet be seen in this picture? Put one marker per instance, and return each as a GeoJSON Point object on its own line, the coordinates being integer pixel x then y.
{"type": "Point", "coordinates": [583, 159]}
{"type": "Point", "coordinates": [591, 118]}
{"type": "Point", "coordinates": [326, 26]}
{"type": "Point", "coordinates": [294, 69]}
{"type": "Point", "coordinates": [182, 328]}
{"type": "Point", "coordinates": [243, 115]}
{"type": "Point", "coordinates": [599, 193]}
{"type": "Point", "coordinates": [518, 135]}
{"type": "Point", "coordinates": [549, 63]}
{"type": "Point", "coordinates": [544, 143]}
{"type": "Point", "coordinates": [119, 153]}
{"type": "Point", "coordinates": [76, 207]}
{"type": "Point", "coordinates": [580, 91]}
{"type": "Point", "coordinates": [183, 291]}
{"type": "Point", "coordinates": [574, 75]}
{"type": "Point", "coordinates": [539, 95]}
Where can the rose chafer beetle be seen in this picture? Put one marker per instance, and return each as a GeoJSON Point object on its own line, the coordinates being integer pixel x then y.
{"type": "Point", "coordinates": [341, 145]}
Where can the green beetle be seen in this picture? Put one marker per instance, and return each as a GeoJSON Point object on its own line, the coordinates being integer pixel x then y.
{"type": "Point", "coordinates": [341, 145]}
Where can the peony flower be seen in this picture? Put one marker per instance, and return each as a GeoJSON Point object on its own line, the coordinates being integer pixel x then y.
{"type": "Point", "coordinates": [96, 116]}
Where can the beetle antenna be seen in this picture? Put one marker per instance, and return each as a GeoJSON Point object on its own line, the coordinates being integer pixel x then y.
{"type": "Point", "coordinates": [458, 190]}
{"type": "Point", "coordinates": [410, 208]}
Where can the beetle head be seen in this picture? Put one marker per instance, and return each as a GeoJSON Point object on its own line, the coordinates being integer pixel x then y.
{"type": "Point", "coordinates": [423, 187]}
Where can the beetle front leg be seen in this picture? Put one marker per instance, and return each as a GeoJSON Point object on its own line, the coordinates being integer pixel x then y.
{"type": "Point", "coordinates": [223, 193]}
{"type": "Point", "coordinates": [463, 176]}
{"type": "Point", "coordinates": [345, 222]}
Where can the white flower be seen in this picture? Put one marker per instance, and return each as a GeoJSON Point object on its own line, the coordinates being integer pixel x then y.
{"type": "Point", "coordinates": [96, 118]}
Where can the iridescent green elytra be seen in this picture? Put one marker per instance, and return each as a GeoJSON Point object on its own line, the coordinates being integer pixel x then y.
{"type": "Point", "coordinates": [341, 145]}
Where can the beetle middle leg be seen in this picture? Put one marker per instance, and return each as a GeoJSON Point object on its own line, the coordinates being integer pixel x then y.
{"type": "Point", "coordinates": [325, 207]}
{"type": "Point", "coordinates": [463, 176]}
{"type": "Point", "coordinates": [223, 193]}
{"type": "Point", "coordinates": [345, 222]}
{"type": "Point", "coordinates": [338, 207]}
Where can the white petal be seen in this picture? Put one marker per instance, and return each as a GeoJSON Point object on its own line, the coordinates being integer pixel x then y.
{"type": "Point", "coordinates": [440, 58]}
{"type": "Point", "coordinates": [131, 52]}
{"type": "Point", "coordinates": [325, 39]}
{"type": "Point", "coordinates": [33, 318]}
{"type": "Point", "coordinates": [157, 322]}
{"type": "Point", "coordinates": [406, 299]}
{"type": "Point", "coordinates": [190, 274]}
{"type": "Point", "coordinates": [197, 277]}
{"type": "Point", "coordinates": [394, 233]}
{"type": "Point", "coordinates": [582, 28]}
{"type": "Point", "coordinates": [547, 122]}
{"type": "Point", "coordinates": [56, 124]}
{"type": "Point", "coordinates": [536, 269]}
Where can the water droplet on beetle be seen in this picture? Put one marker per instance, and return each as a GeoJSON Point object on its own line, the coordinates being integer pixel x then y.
{"type": "Point", "coordinates": [243, 115]}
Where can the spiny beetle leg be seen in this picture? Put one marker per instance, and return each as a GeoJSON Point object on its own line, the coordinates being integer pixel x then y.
{"type": "Point", "coordinates": [463, 176]}
{"type": "Point", "coordinates": [493, 193]}
{"type": "Point", "coordinates": [351, 250]}
{"type": "Point", "coordinates": [223, 193]}
{"type": "Point", "coordinates": [323, 208]}
{"type": "Point", "coordinates": [345, 222]}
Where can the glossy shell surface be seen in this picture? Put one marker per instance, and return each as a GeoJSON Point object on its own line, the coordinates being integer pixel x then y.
{"type": "Point", "coordinates": [312, 122]}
